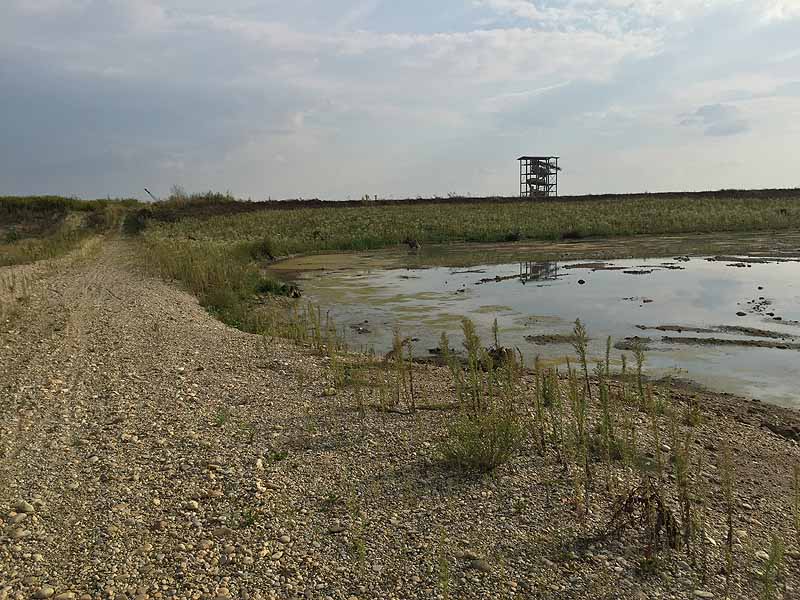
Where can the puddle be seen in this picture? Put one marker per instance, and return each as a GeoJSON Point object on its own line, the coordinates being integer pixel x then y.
{"type": "Point", "coordinates": [729, 328]}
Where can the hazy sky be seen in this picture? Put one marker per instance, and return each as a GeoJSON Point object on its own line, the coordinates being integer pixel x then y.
{"type": "Point", "coordinates": [339, 98]}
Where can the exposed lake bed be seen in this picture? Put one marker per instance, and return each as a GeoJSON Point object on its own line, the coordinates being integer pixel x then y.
{"type": "Point", "coordinates": [728, 320]}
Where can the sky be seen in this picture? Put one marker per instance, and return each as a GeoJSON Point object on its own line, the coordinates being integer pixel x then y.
{"type": "Point", "coordinates": [396, 98]}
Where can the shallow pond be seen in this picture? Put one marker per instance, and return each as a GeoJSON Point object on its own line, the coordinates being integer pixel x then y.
{"type": "Point", "coordinates": [730, 323]}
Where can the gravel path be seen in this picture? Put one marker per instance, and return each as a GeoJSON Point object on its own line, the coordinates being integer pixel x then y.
{"type": "Point", "coordinates": [149, 451]}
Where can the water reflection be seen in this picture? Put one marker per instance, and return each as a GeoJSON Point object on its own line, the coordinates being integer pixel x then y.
{"type": "Point", "coordinates": [538, 271]}
{"type": "Point", "coordinates": [621, 299]}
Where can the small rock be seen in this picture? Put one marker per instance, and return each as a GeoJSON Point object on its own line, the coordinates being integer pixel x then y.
{"type": "Point", "coordinates": [66, 596]}
{"type": "Point", "coordinates": [481, 565]}
{"type": "Point", "coordinates": [222, 532]}
{"type": "Point", "coordinates": [336, 529]}
{"type": "Point", "coordinates": [285, 539]}
{"type": "Point", "coordinates": [703, 594]}
{"type": "Point", "coordinates": [277, 555]}
{"type": "Point", "coordinates": [192, 505]}
{"type": "Point", "coordinates": [24, 507]}
{"type": "Point", "coordinates": [44, 592]}
{"type": "Point", "coordinates": [761, 555]}
{"type": "Point", "coordinates": [205, 544]}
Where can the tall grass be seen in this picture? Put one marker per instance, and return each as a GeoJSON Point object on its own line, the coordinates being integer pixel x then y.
{"type": "Point", "coordinates": [33, 249]}
{"type": "Point", "coordinates": [43, 227]}
{"type": "Point", "coordinates": [224, 279]}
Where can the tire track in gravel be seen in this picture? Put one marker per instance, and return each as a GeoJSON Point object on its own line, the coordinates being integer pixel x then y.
{"type": "Point", "coordinates": [110, 384]}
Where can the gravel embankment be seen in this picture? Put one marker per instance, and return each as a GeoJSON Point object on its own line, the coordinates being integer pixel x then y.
{"type": "Point", "coordinates": [149, 451]}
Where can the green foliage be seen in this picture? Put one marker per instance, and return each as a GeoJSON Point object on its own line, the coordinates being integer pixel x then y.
{"type": "Point", "coordinates": [364, 227]}
{"type": "Point", "coordinates": [772, 568]}
{"type": "Point", "coordinates": [482, 441]}
{"type": "Point", "coordinates": [32, 249]}
{"type": "Point", "coordinates": [134, 221]}
{"type": "Point", "coordinates": [223, 279]}
{"type": "Point", "coordinates": [44, 227]}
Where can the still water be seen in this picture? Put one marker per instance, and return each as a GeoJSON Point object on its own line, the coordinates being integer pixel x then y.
{"type": "Point", "coordinates": [730, 324]}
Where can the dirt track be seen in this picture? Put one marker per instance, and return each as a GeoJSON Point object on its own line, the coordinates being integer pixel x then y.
{"type": "Point", "coordinates": [156, 453]}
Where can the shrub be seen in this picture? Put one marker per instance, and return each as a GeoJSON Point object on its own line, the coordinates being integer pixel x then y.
{"type": "Point", "coordinates": [134, 222]}
{"type": "Point", "coordinates": [12, 235]}
{"type": "Point", "coordinates": [262, 249]}
{"type": "Point", "coordinates": [482, 441]}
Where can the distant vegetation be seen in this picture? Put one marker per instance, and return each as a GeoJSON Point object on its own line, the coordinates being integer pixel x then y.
{"type": "Point", "coordinates": [214, 244]}
{"type": "Point", "coordinates": [40, 227]}
{"type": "Point", "coordinates": [370, 226]}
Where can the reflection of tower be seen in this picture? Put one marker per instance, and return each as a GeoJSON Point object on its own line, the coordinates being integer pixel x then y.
{"type": "Point", "coordinates": [538, 176]}
{"type": "Point", "coordinates": [538, 271]}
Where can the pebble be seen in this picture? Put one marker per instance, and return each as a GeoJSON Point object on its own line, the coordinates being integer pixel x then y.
{"type": "Point", "coordinates": [24, 507]}
{"type": "Point", "coordinates": [222, 532]}
{"type": "Point", "coordinates": [285, 539]}
{"type": "Point", "coordinates": [481, 565]}
{"type": "Point", "coordinates": [336, 529]}
{"type": "Point", "coordinates": [761, 555]}
{"type": "Point", "coordinates": [703, 594]}
{"type": "Point", "coordinates": [66, 596]}
{"type": "Point", "coordinates": [44, 592]}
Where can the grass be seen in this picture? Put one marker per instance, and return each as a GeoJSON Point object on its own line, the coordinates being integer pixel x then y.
{"type": "Point", "coordinates": [44, 227]}
{"type": "Point", "coordinates": [223, 277]}
{"type": "Point", "coordinates": [482, 441]}
{"type": "Point", "coordinates": [307, 230]}
{"type": "Point", "coordinates": [35, 249]}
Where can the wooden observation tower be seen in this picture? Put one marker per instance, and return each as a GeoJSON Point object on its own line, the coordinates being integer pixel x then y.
{"type": "Point", "coordinates": [538, 176]}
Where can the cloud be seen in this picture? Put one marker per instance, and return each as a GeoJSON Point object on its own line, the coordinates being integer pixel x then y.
{"type": "Point", "coordinates": [404, 98]}
{"type": "Point", "coordinates": [357, 13]}
{"type": "Point", "coordinates": [717, 120]}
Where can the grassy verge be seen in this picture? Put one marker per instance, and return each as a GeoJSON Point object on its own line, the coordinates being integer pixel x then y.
{"type": "Point", "coordinates": [33, 249]}
{"type": "Point", "coordinates": [225, 278]}
{"type": "Point", "coordinates": [43, 227]}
